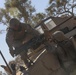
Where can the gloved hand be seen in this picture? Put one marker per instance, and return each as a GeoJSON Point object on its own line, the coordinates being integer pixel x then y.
{"type": "Point", "coordinates": [11, 52]}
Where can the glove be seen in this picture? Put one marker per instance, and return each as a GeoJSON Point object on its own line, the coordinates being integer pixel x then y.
{"type": "Point", "coordinates": [11, 52]}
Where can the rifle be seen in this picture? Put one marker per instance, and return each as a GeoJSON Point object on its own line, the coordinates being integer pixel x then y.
{"type": "Point", "coordinates": [6, 62]}
{"type": "Point", "coordinates": [32, 43]}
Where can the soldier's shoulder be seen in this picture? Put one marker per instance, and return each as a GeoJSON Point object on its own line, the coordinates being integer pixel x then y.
{"type": "Point", "coordinates": [26, 25]}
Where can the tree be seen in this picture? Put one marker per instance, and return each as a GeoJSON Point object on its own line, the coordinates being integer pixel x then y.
{"type": "Point", "coordinates": [57, 7]}
{"type": "Point", "coordinates": [38, 18]}
{"type": "Point", "coordinates": [21, 9]}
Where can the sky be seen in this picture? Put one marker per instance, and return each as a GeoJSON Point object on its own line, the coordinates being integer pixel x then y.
{"type": "Point", "coordinates": [40, 5]}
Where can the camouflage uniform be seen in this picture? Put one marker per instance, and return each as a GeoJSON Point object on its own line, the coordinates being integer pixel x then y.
{"type": "Point", "coordinates": [65, 50]}
{"type": "Point", "coordinates": [17, 38]}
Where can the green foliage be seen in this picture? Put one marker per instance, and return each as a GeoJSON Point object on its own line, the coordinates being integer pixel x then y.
{"type": "Point", "coordinates": [21, 9]}
{"type": "Point", "coordinates": [14, 11]}
{"type": "Point", "coordinates": [38, 18]}
{"type": "Point", "coordinates": [57, 7]}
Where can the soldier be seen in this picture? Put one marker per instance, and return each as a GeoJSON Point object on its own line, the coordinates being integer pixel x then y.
{"type": "Point", "coordinates": [65, 50]}
{"type": "Point", "coordinates": [67, 44]}
{"type": "Point", "coordinates": [17, 34]}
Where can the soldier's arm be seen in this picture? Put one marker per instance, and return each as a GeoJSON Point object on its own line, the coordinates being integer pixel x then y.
{"type": "Point", "coordinates": [29, 29]}
{"type": "Point", "coordinates": [10, 40]}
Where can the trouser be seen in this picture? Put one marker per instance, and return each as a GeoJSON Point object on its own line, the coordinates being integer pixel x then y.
{"type": "Point", "coordinates": [25, 58]}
